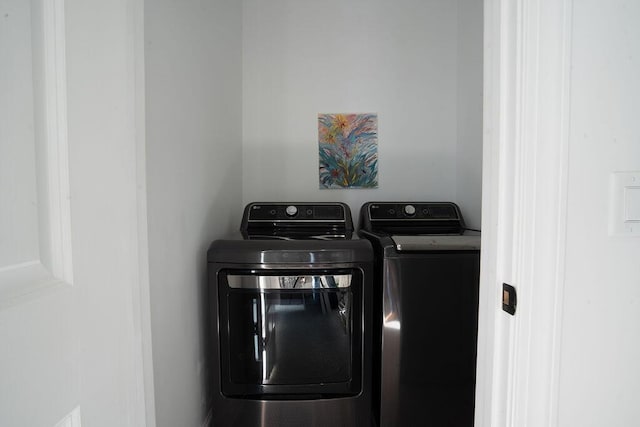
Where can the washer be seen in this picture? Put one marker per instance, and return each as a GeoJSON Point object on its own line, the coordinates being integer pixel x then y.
{"type": "Point", "coordinates": [291, 315]}
{"type": "Point", "coordinates": [427, 267]}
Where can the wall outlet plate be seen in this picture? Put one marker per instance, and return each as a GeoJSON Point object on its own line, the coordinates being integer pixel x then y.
{"type": "Point", "coordinates": [624, 207]}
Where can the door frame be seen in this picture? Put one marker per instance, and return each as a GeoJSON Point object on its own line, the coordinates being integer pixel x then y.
{"type": "Point", "coordinates": [141, 293]}
{"type": "Point", "coordinates": [527, 59]}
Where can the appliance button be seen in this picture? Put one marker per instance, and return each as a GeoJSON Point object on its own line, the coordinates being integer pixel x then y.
{"type": "Point", "coordinates": [410, 210]}
{"type": "Point", "coordinates": [291, 210]}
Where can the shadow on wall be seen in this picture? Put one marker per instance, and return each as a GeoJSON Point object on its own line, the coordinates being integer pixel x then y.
{"type": "Point", "coordinates": [222, 219]}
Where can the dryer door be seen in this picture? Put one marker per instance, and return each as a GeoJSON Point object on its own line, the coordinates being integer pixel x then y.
{"type": "Point", "coordinates": [291, 333]}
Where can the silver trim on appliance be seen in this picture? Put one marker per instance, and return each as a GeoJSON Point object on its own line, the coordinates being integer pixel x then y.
{"type": "Point", "coordinates": [289, 282]}
{"type": "Point", "coordinates": [314, 237]}
{"type": "Point", "coordinates": [441, 242]}
{"type": "Point", "coordinates": [327, 237]}
{"type": "Point", "coordinates": [296, 220]}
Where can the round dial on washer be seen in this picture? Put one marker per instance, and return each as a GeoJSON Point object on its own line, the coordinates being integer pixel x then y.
{"type": "Point", "coordinates": [410, 210]}
{"type": "Point", "coordinates": [291, 210]}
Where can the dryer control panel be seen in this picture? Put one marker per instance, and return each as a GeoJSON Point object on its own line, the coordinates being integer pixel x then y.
{"type": "Point", "coordinates": [297, 220]}
{"type": "Point", "coordinates": [294, 212]}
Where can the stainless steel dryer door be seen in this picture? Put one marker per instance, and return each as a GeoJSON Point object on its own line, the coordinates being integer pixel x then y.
{"type": "Point", "coordinates": [285, 333]}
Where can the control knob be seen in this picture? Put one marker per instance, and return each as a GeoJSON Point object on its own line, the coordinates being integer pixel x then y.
{"type": "Point", "coordinates": [410, 210]}
{"type": "Point", "coordinates": [291, 210]}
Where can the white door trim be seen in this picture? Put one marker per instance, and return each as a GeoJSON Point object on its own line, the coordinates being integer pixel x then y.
{"type": "Point", "coordinates": [526, 123]}
{"type": "Point", "coordinates": [55, 146]}
{"type": "Point", "coordinates": [141, 295]}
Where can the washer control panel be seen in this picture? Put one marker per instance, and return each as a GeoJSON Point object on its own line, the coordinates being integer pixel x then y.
{"type": "Point", "coordinates": [411, 218]}
{"type": "Point", "coordinates": [411, 211]}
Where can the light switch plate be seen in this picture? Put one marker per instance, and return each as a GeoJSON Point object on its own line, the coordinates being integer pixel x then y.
{"type": "Point", "coordinates": [624, 212]}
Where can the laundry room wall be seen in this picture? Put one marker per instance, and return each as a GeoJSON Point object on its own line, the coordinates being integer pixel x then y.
{"type": "Point", "coordinates": [469, 111]}
{"type": "Point", "coordinates": [194, 173]}
{"type": "Point", "coordinates": [397, 59]}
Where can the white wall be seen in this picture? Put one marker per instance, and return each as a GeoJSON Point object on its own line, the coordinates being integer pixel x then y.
{"type": "Point", "coordinates": [599, 372]}
{"type": "Point", "coordinates": [469, 112]}
{"type": "Point", "coordinates": [194, 172]}
{"type": "Point", "coordinates": [398, 59]}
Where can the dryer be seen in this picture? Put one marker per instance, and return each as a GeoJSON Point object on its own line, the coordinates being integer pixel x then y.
{"type": "Point", "coordinates": [291, 315]}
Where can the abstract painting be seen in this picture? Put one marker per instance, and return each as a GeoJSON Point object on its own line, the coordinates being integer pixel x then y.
{"type": "Point", "coordinates": [348, 146]}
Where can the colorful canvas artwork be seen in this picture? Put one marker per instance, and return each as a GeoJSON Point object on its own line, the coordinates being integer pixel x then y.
{"type": "Point", "coordinates": [348, 146]}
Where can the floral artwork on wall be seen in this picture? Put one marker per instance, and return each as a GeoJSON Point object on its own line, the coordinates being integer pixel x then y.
{"type": "Point", "coordinates": [348, 145]}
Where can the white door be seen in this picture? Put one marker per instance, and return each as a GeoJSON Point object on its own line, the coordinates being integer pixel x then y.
{"type": "Point", "coordinates": [526, 136]}
{"type": "Point", "coordinates": [72, 223]}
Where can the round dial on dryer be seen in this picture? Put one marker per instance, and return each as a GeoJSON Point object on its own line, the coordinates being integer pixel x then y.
{"type": "Point", "coordinates": [291, 210]}
{"type": "Point", "coordinates": [410, 210]}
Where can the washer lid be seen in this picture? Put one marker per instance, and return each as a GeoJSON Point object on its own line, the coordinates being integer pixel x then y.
{"type": "Point", "coordinates": [436, 243]}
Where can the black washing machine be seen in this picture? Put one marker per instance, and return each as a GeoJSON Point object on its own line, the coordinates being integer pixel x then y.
{"type": "Point", "coordinates": [427, 269]}
{"type": "Point", "coordinates": [291, 314]}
